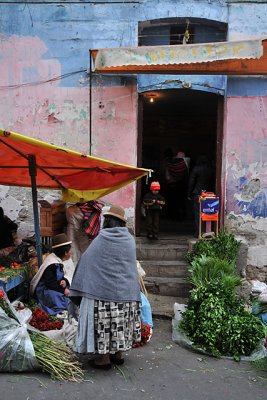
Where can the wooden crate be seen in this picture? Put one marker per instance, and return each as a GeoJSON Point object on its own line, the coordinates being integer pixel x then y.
{"type": "Point", "coordinates": [52, 218]}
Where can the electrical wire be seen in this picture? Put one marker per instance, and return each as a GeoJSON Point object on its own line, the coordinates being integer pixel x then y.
{"type": "Point", "coordinates": [36, 83]}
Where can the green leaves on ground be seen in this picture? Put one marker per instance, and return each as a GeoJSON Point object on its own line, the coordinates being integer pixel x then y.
{"type": "Point", "coordinates": [216, 321]}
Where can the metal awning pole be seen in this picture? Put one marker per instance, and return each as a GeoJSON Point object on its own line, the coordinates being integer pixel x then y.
{"type": "Point", "coordinates": [33, 173]}
{"type": "Point", "coordinates": [90, 101]}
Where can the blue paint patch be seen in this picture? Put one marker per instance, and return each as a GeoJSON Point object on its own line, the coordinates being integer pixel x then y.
{"type": "Point", "coordinates": [243, 180]}
{"type": "Point", "coordinates": [247, 86]}
{"type": "Point", "coordinates": [208, 83]}
{"type": "Point", "coordinates": [257, 207]}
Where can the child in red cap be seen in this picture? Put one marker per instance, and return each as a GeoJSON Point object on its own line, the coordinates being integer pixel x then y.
{"type": "Point", "coordinates": [153, 202]}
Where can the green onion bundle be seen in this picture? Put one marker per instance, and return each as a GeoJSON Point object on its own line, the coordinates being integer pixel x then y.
{"type": "Point", "coordinates": [56, 358]}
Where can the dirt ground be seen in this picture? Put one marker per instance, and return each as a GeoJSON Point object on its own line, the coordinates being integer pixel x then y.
{"type": "Point", "coordinates": [161, 370]}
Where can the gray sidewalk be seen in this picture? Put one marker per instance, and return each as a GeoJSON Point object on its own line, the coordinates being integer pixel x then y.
{"type": "Point", "coordinates": [161, 370]}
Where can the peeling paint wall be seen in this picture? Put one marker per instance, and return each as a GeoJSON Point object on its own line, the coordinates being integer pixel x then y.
{"type": "Point", "coordinates": [246, 146]}
{"type": "Point", "coordinates": [44, 90]}
{"type": "Point", "coordinates": [246, 176]}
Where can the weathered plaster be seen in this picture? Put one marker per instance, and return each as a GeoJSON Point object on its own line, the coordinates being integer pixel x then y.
{"type": "Point", "coordinates": [252, 232]}
{"type": "Point", "coordinates": [246, 177]}
{"type": "Point", "coordinates": [247, 21]}
{"type": "Point", "coordinates": [60, 115]}
{"type": "Point", "coordinates": [39, 42]}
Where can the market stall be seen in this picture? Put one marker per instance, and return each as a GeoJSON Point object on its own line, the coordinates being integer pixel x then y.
{"type": "Point", "coordinates": [28, 162]}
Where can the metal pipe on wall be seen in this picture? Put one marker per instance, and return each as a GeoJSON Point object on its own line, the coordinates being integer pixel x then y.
{"type": "Point", "coordinates": [90, 102]}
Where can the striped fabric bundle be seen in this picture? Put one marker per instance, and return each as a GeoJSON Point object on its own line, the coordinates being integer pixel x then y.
{"type": "Point", "coordinates": [177, 169]}
{"type": "Point", "coordinates": [91, 217]}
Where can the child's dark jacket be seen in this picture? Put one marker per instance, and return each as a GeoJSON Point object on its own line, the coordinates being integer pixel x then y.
{"type": "Point", "coordinates": [148, 199]}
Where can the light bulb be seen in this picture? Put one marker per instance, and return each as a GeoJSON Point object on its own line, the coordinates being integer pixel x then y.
{"type": "Point", "coordinates": [151, 100]}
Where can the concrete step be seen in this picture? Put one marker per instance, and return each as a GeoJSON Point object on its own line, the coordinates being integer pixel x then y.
{"type": "Point", "coordinates": [162, 306]}
{"type": "Point", "coordinates": [168, 286]}
{"type": "Point", "coordinates": [158, 251]}
{"type": "Point", "coordinates": [175, 269]}
{"type": "Point", "coordinates": [164, 239]}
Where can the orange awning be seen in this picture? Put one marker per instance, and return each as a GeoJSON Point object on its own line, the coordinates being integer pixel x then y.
{"type": "Point", "coordinates": [79, 176]}
{"type": "Point", "coordinates": [244, 57]}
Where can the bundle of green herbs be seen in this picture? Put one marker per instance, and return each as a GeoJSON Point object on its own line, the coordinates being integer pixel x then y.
{"type": "Point", "coordinates": [225, 247]}
{"type": "Point", "coordinates": [216, 319]}
{"type": "Point", "coordinates": [205, 269]}
{"type": "Point", "coordinates": [217, 322]}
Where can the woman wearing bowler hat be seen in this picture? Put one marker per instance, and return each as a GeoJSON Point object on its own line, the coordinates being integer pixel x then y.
{"type": "Point", "coordinates": [49, 284]}
{"type": "Point", "coordinates": [106, 286]}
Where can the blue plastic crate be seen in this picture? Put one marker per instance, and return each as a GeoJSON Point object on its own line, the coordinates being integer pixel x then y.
{"type": "Point", "coordinates": [11, 283]}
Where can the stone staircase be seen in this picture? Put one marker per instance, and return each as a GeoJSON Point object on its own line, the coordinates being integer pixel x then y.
{"type": "Point", "coordinates": [166, 271]}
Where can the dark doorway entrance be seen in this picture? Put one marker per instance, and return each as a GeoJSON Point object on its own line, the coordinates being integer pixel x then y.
{"type": "Point", "coordinates": [180, 120]}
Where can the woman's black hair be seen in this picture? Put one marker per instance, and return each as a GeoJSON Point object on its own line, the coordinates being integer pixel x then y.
{"type": "Point", "coordinates": [62, 250]}
{"type": "Point", "coordinates": [113, 222]}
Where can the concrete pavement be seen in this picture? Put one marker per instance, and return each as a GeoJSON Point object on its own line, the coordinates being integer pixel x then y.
{"type": "Point", "coordinates": [161, 370]}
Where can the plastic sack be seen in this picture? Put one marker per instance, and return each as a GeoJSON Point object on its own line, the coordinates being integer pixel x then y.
{"type": "Point", "coordinates": [258, 287]}
{"type": "Point", "coordinates": [146, 313]}
{"type": "Point", "coordinates": [67, 334]}
{"type": "Point", "coordinates": [179, 336]}
{"type": "Point", "coordinates": [178, 310]}
{"type": "Point", "coordinates": [16, 349]}
{"type": "Point", "coordinates": [263, 297]}
{"type": "Point", "coordinates": [140, 270]}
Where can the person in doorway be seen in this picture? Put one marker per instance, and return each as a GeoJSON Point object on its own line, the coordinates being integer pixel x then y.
{"type": "Point", "coordinates": [200, 179]}
{"type": "Point", "coordinates": [50, 285]}
{"type": "Point", "coordinates": [153, 202]}
{"type": "Point", "coordinates": [8, 231]}
{"type": "Point", "coordinates": [177, 173]}
{"type": "Point", "coordinates": [106, 286]}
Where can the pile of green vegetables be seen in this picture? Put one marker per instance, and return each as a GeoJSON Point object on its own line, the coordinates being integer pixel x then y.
{"type": "Point", "coordinates": [215, 319]}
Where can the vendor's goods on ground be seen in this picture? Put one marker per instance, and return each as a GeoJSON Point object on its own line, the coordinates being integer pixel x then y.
{"type": "Point", "coordinates": [146, 333]}
{"type": "Point", "coordinates": [24, 348]}
{"type": "Point", "coordinates": [215, 320]}
{"type": "Point", "coordinates": [44, 322]}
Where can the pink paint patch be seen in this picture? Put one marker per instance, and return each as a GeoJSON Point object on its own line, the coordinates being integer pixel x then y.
{"type": "Point", "coordinates": [52, 119]}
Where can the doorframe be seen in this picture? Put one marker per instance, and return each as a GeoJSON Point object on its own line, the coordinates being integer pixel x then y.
{"type": "Point", "coordinates": [220, 181]}
{"type": "Point", "coordinates": [140, 113]}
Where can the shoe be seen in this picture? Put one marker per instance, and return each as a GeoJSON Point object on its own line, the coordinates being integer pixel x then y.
{"type": "Point", "coordinates": [99, 366]}
{"type": "Point", "coordinates": [155, 237]}
{"type": "Point", "coordinates": [149, 236]}
{"type": "Point", "coordinates": [116, 360]}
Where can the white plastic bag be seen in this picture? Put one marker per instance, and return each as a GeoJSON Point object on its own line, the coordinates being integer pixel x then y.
{"type": "Point", "coordinates": [67, 334]}
{"type": "Point", "coordinates": [263, 297]}
{"type": "Point", "coordinates": [178, 310]}
{"type": "Point", "coordinates": [16, 349]}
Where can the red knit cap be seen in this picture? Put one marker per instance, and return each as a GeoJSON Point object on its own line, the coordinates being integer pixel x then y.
{"type": "Point", "coordinates": [155, 186]}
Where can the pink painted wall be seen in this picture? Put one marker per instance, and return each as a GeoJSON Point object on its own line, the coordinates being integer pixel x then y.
{"type": "Point", "coordinates": [47, 111]}
{"type": "Point", "coordinates": [245, 146]}
{"type": "Point", "coordinates": [114, 133]}
{"type": "Point", "coordinates": [60, 115]}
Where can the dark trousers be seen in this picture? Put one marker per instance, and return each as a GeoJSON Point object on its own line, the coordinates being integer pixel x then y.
{"type": "Point", "coordinates": [152, 222]}
{"type": "Point", "coordinates": [196, 212]}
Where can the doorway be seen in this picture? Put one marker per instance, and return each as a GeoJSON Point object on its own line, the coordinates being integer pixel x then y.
{"type": "Point", "coordinates": [177, 120]}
